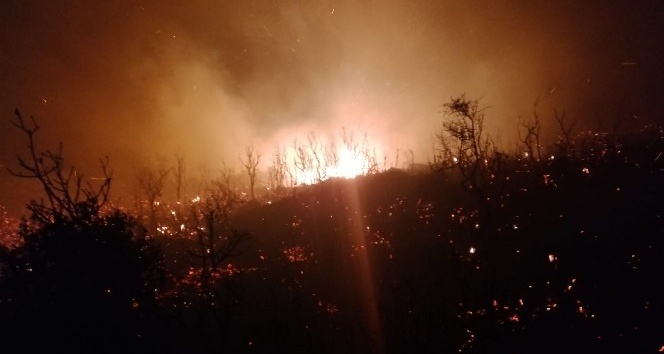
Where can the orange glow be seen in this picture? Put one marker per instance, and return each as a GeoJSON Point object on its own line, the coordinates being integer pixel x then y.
{"type": "Point", "coordinates": [350, 165]}
{"type": "Point", "coordinates": [316, 158]}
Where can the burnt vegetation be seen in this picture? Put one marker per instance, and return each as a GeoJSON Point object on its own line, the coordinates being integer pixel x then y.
{"type": "Point", "coordinates": [545, 248]}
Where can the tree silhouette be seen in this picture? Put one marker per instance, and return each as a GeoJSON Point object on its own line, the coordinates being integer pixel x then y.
{"type": "Point", "coordinates": [152, 181]}
{"type": "Point", "coordinates": [463, 144]}
{"type": "Point", "coordinates": [67, 196]}
{"type": "Point", "coordinates": [250, 163]}
{"type": "Point", "coordinates": [210, 286]}
{"type": "Point", "coordinates": [82, 280]}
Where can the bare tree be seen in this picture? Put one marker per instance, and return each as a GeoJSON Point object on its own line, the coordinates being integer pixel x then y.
{"type": "Point", "coordinates": [279, 170]}
{"type": "Point", "coordinates": [68, 194]}
{"type": "Point", "coordinates": [565, 140]}
{"type": "Point", "coordinates": [290, 173]}
{"type": "Point", "coordinates": [332, 154]}
{"type": "Point", "coordinates": [370, 163]}
{"type": "Point", "coordinates": [77, 259]}
{"type": "Point", "coordinates": [250, 163]}
{"type": "Point", "coordinates": [361, 150]}
{"type": "Point", "coordinates": [531, 138]}
{"type": "Point", "coordinates": [462, 143]}
{"type": "Point", "coordinates": [317, 152]}
{"type": "Point", "coordinates": [151, 181]}
{"type": "Point", "coordinates": [410, 161]}
{"type": "Point", "coordinates": [302, 161]}
{"type": "Point", "coordinates": [397, 154]}
{"type": "Point", "coordinates": [180, 178]}
{"type": "Point", "coordinates": [216, 243]}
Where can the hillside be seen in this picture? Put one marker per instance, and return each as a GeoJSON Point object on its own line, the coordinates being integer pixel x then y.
{"type": "Point", "coordinates": [534, 255]}
{"type": "Point", "coordinates": [566, 251]}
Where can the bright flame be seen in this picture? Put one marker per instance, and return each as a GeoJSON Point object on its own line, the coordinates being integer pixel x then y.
{"type": "Point", "coordinates": [350, 165]}
{"type": "Point", "coordinates": [317, 159]}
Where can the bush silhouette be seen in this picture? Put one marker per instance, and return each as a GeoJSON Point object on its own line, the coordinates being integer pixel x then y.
{"type": "Point", "coordinates": [85, 284]}
{"type": "Point", "coordinates": [82, 279]}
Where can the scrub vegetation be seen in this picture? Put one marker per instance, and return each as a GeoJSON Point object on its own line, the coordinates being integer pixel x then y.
{"type": "Point", "coordinates": [545, 247]}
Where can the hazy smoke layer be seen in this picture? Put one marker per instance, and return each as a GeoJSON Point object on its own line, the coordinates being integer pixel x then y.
{"type": "Point", "coordinates": [142, 81]}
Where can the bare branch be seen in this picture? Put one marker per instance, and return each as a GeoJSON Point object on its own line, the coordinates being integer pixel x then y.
{"type": "Point", "coordinates": [66, 194]}
{"type": "Point", "coordinates": [250, 163]}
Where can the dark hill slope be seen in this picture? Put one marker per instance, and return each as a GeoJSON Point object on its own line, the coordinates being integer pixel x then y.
{"type": "Point", "coordinates": [564, 251]}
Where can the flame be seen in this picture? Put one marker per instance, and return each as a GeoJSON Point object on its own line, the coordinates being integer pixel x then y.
{"type": "Point", "coordinates": [316, 159]}
{"type": "Point", "coordinates": [350, 164]}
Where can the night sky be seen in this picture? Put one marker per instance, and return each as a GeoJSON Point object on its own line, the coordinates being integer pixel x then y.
{"type": "Point", "coordinates": [141, 81]}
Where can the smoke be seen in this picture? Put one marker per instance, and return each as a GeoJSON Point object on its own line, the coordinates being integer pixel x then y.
{"type": "Point", "coordinates": [143, 81]}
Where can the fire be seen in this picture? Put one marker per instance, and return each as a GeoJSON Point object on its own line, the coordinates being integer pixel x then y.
{"type": "Point", "coordinates": [350, 164]}
{"type": "Point", "coordinates": [315, 159]}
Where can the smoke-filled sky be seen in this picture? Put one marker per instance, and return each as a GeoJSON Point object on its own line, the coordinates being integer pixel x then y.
{"type": "Point", "coordinates": [141, 81]}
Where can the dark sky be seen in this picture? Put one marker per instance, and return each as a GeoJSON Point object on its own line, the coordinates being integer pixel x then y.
{"type": "Point", "coordinates": [143, 80]}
